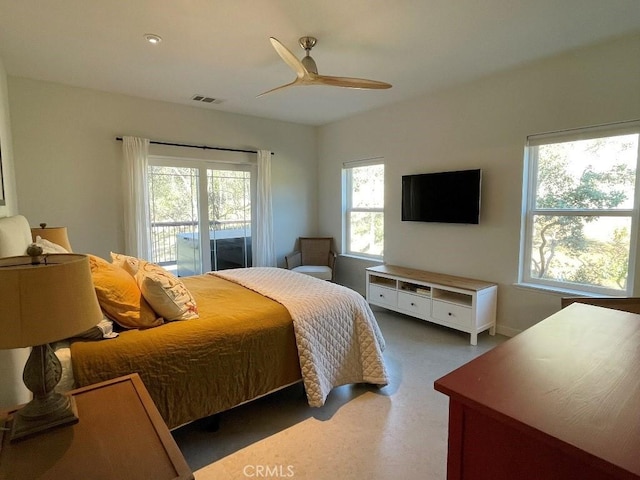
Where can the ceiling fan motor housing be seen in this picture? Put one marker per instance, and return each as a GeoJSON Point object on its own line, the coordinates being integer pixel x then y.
{"type": "Point", "coordinates": [307, 42]}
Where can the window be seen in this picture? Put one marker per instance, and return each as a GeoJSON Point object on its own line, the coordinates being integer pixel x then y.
{"type": "Point", "coordinates": [581, 210]}
{"type": "Point", "coordinates": [188, 197]}
{"type": "Point", "coordinates": [363, 200]}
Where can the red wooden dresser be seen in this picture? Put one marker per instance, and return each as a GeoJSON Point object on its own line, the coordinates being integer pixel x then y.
{"type": "Point", "coordinates": [561, 400]}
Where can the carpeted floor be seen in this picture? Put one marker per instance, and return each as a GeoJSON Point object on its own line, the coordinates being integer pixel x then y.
{"type": "Point", "coordinates": [362, 432]}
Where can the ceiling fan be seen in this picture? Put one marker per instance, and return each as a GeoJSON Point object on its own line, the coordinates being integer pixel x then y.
{"type": "Point", "coordinates": [307, 71]}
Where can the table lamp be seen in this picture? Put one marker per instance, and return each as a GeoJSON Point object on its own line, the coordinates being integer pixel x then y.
{"type": "Point", "coordinates": [44, 299]}
{"type": "Point", "coordinates": [57, 235]}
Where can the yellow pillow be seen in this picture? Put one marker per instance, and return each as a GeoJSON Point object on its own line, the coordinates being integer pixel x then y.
{"type": "Point", "coordinates": [120, 297]}
{"type": "Point", "coordinates": [165, 292]}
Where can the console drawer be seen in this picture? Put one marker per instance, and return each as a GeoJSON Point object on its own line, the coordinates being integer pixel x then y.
{"type": "Point", "coordinates": [383, 296]}
{"type": "Point", "coordinates": [450, 313]}
{"type": "Point", "coordinates": [414, 304]}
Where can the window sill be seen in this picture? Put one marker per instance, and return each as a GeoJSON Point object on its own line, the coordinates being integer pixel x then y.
{"type": "Point", "coordinates": [362, 257]}
{"type": "Point", "coordinates": [561, 292]}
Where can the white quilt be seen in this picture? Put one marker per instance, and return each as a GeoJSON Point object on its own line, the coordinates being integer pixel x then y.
{"type": "Point", "coordinates": [339, 341]}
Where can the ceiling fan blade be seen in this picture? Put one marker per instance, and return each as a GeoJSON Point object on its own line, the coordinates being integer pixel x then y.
{"type": "Point", "coordinates": [279, 88]}
{"type": "Point", "coordinates": [349, 82]}
{"type": "Point", "coordinates": [289, 58]}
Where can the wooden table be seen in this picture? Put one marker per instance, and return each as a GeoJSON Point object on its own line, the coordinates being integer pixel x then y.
{"type": "Point", "coordinates": [559, 401]}
{"type": "Point", "coordinates": [120, 435]}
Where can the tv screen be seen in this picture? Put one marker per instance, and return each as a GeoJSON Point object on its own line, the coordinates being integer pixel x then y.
{"type": "Point", "coordinates": [445, 197]}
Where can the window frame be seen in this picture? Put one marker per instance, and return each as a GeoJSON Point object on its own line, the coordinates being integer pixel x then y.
{"type": "Point", "coordinates": [530, 211]}
{"type": "Point", "coordinates": [348, 209]}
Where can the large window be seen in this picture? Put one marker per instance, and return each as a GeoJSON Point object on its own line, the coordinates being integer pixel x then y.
{"type": "Point", "coordinates": [363, 201]}
{"type": "Point", "coordinates": [581, 210]}
{"type": "Point", "coordinates": [190, 197]}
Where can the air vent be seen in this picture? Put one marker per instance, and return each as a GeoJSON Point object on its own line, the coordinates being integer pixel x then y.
{"type": "Point", "coordinates": [203, 99]}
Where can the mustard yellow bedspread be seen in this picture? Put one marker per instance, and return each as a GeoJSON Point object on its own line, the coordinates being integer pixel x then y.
{"type": "Point", "coordinates": [241, 347]}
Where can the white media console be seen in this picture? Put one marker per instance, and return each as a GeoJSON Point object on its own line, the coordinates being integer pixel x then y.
{"type": "Point", "coordinates": [462, 303]}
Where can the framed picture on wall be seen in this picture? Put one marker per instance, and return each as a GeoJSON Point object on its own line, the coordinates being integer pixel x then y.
{"type": "Point", "coordinates": [2, 199]}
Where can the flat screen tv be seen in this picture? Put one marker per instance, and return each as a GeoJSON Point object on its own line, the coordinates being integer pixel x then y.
{"type": "Point", "coordinates": [444, 197]}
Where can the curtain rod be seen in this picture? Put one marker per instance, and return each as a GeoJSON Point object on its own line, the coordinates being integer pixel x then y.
{"type": "Point", "coordinates": [202, 147]}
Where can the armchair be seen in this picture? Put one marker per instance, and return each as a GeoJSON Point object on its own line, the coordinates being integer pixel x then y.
{"type": "Point", "coordinates": [314, 257]}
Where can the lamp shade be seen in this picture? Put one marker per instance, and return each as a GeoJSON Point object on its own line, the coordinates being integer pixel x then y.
{"type": "Point", "coordinates": [57, 235]}
{"type": "Point", "coordinates": [45, 302]}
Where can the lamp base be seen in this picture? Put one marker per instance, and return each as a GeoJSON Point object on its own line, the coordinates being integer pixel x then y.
{"type": "Point", "coordinates": [48, 408]}
{"type": "Point", "coordinates": [37, 416]}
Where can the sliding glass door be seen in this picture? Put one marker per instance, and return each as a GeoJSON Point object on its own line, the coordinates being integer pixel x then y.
{"type": "Point", "coordinates": [229, 202]}
{"type": "Point", "coordinates": [201, 214]}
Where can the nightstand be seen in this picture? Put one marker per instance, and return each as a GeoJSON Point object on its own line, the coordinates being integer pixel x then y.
{"type": "Point", "coordinates": [120, 435]}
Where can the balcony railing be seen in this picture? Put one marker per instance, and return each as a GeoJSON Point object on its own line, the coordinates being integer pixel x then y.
{"type": "Point", "coordinates": [164, 235]}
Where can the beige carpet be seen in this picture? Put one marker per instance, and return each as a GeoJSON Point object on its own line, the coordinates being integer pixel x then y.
{"type": "Point", "coordinates": [398, 432]}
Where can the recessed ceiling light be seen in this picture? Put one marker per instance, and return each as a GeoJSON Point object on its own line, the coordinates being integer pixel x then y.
{"type": "Point", "coordinates": [152, 38]}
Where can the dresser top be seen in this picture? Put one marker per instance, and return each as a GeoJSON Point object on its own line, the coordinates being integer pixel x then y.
{"type": "Point", "coordinates": [431, 277]}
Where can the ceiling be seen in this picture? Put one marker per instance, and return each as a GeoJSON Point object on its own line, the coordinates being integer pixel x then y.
{"type": "Point", "coordinates": [221, 48]}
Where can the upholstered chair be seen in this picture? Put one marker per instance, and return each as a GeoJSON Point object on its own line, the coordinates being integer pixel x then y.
{"type": "Point", "coordinates": [314, 257]}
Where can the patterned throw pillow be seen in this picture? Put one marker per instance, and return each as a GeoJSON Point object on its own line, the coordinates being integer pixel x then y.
{"type": "Point", "coordinates": [165, 292]}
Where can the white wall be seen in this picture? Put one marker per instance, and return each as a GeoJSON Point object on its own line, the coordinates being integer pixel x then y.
{"type": "Point", "coordinates": [480, 125]}
{"type": "Point", "coordinates": [12, 390]}
{"type": "Point", "coordinates": [68, 163]}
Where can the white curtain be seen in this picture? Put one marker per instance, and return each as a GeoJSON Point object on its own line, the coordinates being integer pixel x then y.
{"type": "Point", "coordinates": [137, 228]}
{"type": "Point", "coordinates": [264, 251]}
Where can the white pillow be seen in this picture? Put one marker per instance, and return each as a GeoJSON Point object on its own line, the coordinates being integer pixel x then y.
{"type": "Point", "coordinates": [49, 247]}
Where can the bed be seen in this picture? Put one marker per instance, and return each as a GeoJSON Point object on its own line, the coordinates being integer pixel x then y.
{"type": "Point", "coordinates": [258, 330]}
